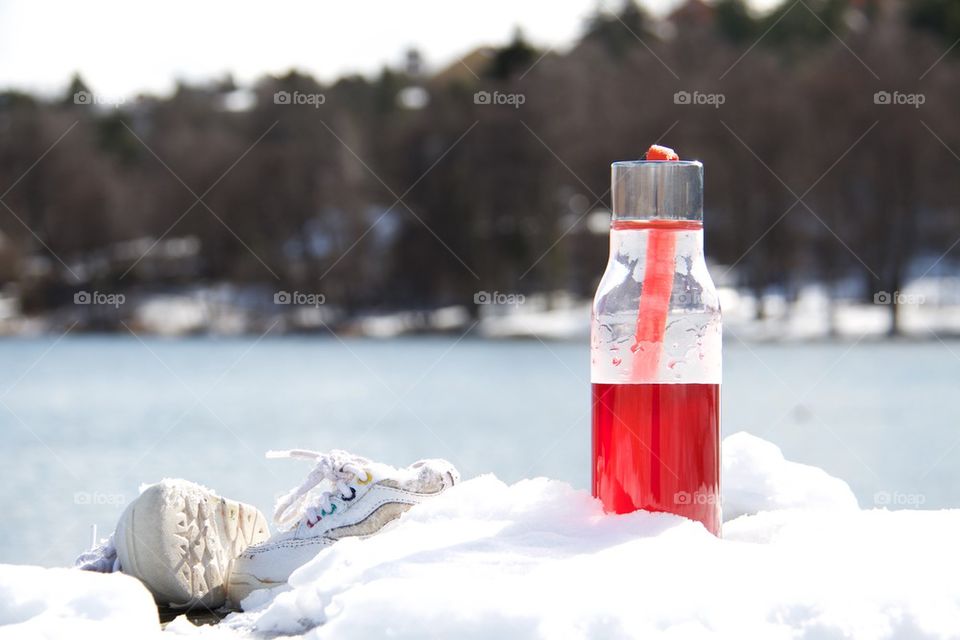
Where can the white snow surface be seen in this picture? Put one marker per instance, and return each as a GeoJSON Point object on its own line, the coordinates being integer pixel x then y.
{"type": "Point", "coordinates": [539, 559]}
{"type": "Point", "coordinates": [60, 603]}
{"type": "Point", "coordinates": [756, 477]}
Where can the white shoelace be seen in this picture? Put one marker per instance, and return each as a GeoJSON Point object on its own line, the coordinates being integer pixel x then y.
{"type": "Point", "coordinates": [337, 467]}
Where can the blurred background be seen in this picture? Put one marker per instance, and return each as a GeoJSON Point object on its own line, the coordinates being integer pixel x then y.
{"type": "Point", "coordinates": [379, 227]}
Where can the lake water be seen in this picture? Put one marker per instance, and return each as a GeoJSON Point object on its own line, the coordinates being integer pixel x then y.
{"type": "Point", "coordinates": [87, 418]}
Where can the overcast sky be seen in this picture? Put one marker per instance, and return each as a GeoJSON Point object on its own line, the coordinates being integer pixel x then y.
{"type": "Point", "coordinates": [121, 47]}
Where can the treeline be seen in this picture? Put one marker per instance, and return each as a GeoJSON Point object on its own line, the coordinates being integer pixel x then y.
{"type": "Point", "coordinates": [829, 131]}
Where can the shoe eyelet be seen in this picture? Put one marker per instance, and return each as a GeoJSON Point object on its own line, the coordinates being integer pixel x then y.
{"type": "Point", "coordinates": [367, 479]}
{"type": "Point", "coordinates": [353, 494]}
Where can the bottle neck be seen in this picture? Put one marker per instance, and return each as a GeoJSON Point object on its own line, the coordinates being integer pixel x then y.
{"type": "Point", "coordinates": [629, 238]}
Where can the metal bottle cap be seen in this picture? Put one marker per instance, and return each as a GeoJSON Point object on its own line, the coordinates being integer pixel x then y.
{"type": "Point", "coordinates": [643, 189]}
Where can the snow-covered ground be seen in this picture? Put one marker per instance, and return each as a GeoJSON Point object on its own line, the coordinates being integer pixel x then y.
{"type": "Point", "coordinates": [925, 311]}
{"type": "Point", "coordinates": [60, 603]}
{"type": "Point", "coordinates": [540, 559]}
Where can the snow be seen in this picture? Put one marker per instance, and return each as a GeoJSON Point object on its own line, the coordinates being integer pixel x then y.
{"type": "Point", "coordinates": [555, 317]}
{"type": "Point", "coordinates": [52, 603]}
{"type": "Point", "coordinates": [756, 477]}
{"type": "Point", "coordinates": [171, 315]}
{"type": "Point", "coordinates": [928, 305]}
{"type": "Point", "coordinates": [539, 559]}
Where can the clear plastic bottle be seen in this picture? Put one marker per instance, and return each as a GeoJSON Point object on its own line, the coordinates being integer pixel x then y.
{"type": "Point", "coordinates": [656, 350]}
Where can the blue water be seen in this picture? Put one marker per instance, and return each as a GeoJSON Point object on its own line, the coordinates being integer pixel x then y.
{"type": "Point", "coordinates": [85, 420]}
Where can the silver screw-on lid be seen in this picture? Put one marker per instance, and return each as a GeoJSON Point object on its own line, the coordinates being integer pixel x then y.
{"type": "Point", "coordinates": [666, 189]}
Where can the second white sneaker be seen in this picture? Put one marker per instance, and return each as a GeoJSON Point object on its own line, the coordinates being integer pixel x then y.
{"type": "Point", "coordinates": [344, 495]}
{"type": "Point", "coordinates": [180, 539]}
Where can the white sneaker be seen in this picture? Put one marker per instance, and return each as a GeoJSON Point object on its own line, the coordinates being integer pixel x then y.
{"type": "Point", "coordinates": [180, 539]}
{"type": "Point", "coordinates": [343, 496]}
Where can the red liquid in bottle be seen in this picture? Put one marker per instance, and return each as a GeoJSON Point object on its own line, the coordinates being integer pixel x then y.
{"type": "Point", "coordinates": [656, 447]}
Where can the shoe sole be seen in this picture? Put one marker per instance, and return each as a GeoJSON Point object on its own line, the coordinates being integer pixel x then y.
{"type": "Point", "coordinates": [180, 540]}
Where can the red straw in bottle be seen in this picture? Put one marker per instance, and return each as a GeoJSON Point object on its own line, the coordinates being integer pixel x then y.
{"type": "Point", "coordinates": [658, 276]}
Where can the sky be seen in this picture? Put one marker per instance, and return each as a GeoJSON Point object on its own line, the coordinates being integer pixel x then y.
{"type": "Point", "coordinates": [123, 47]}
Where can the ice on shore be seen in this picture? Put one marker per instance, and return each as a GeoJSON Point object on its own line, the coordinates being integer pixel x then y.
{"type": "Point", "coordinates": [539, 559]}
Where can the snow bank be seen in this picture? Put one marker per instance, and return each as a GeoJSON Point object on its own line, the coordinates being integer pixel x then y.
{"type": "Point", "coordinates": [539, 559]}
{"type": "Point", "coordinates": [756, 477]}
{"type": "Point", "coordinates": [57, 603]}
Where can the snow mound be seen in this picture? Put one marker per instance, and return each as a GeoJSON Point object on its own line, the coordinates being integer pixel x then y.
{"type": "Point", "coordinates": [56, 603]}
{"type": "Point", "coordinates": [756, 477]}
{"type": "Point", "coordinates": [539, 559]}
